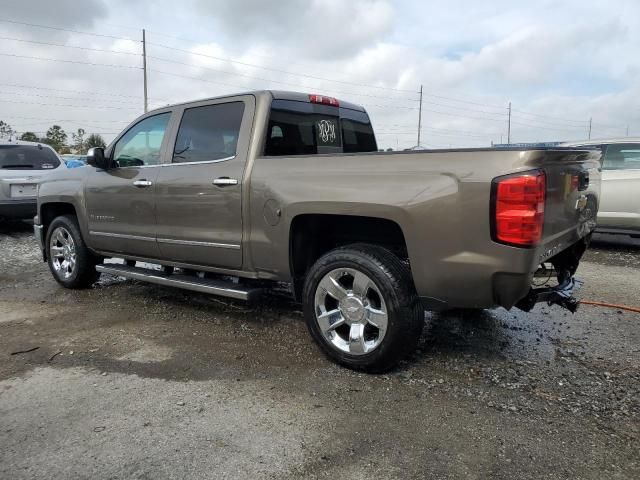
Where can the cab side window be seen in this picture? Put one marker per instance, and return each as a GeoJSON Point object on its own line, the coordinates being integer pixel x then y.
{"type": "Point", "coordinates": [208, 133]}
{"type": "Point", "coordinates": [622, 156]}
{"type": "Point", "coordinates": [141, 145]}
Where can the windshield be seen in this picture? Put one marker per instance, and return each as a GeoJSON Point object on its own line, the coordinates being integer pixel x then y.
{"type": "Point", "coordinates": [303, 128]}
{"type": "Point", "coordinates": [27, 157]}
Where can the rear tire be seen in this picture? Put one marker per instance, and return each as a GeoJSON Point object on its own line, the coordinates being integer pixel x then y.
{"type": "Point", "coordinates": [71, 263]}
{"type": "Point", "coordinates": [361, 307]}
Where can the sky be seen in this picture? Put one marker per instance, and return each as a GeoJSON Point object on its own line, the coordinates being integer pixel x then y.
{"type": "Point", "coordinates": [560, 64]}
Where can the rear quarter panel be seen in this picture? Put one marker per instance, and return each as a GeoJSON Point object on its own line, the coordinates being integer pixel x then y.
{"type": "Point", "coordinates": [440, 200]}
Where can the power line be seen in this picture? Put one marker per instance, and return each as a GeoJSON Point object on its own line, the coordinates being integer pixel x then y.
{"type": "Point", "coordinates": [582, 122]}
{"type": "Point", "coordinates": [96, 107]}
{"type": "Point", "coordinates": [128, 102]}
{"type": "Point", "coordinates": [69, 61]}
{"type": "Point", "coordinates": [447, 133]}
{"type": "Point", "coordinates": [319, 90]}
{"type": "Point", "coordinates": [17, 85]}
{"type": "Point", "coordinates": [289, 61]}
{"type": "Point", "coordinates": [68, 119]}
{"type": "Point", "coordinates": [274, 69]}
{"type": "Point", "coordinates": [66, 30]}
{"type": "Point", "coordinates": [69, 46]}
{"type": "Point", "coordinates": [567, 129]}
{"type": "Point", "coordinates": [262, 79]}
{"type": "Point", "coordinates": [306, 75]}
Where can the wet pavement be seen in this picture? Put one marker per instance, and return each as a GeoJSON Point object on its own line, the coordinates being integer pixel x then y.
{"type": "Point", "coordinates": [129, 380]}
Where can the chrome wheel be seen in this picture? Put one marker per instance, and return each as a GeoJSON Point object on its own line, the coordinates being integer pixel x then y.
{"type": "Point", "coordinates": [350, 311]}
{"type": "Point", "coordinates": [62, 250]}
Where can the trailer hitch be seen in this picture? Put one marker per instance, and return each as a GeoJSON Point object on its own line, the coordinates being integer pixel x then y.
{"type": "Point", "coordinates": [561, 295]}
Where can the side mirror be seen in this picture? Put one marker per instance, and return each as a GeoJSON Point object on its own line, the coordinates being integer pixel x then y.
{"type": "Point", "coordinates": [96, 158]}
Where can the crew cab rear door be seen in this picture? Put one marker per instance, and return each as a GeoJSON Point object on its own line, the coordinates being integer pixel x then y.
{"type": "Point", "coordinates": [199, 190]}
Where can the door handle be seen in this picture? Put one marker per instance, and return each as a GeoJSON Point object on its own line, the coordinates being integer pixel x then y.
{"type": "Point", "coordinates": [142, 183]}
{"type": "Point", "coordinates": [225, 181]}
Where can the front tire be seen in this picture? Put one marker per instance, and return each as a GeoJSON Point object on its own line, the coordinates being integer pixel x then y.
{"type": "Point", "coordinates": [361, 307]}
{"type": "Point", "coordinates": [71, 263]}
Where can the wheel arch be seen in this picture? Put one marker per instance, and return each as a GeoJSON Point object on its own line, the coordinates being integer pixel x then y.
{"type": "Point", "coordinates": [51, 210]}
{"type": "Point", "coordinates": [312, 235]}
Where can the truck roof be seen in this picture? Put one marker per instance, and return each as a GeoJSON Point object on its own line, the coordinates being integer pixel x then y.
{"type": "Point", "coordinates": [274, 94]}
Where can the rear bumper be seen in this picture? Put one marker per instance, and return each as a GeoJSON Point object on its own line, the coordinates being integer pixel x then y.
{"type": "Point", "coordinates": [484, 287]}
{"type": "Point", "coordinates": [18, 209]}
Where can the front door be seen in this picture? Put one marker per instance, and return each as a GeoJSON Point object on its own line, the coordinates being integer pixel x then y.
{"type": "Point", "coordinates": [121, 200]}
{"type": "Point", "coordinates": [620, 195]}
{"type": "Point", "coordinates": [199, 193]}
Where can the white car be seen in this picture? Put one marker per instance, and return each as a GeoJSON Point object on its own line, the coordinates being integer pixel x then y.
{"type": "Point", "coordinates": [620, 192]}
{"type": "Point", "coordinates": [22, 165]}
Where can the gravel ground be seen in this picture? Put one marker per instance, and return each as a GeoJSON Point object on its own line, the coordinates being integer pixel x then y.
{"type": "Point", "coordinates": [129, 380]}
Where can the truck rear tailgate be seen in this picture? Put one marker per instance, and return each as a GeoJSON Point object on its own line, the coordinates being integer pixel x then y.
{"type": "Point", "coordinates": [572, 195]}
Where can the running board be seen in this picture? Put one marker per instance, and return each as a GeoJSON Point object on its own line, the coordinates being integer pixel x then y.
{"type": "Point", "coordinates": [187, 282]}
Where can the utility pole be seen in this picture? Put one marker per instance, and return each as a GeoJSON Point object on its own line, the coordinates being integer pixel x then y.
{"type": "Point", "coordinates": [420, 116]}
{"type": "Point", "coordinates": [144, 69]}
{"type": "Point", "coordinates": [590, 123]}
{"type": "Point", "coordinates": [509, 126]}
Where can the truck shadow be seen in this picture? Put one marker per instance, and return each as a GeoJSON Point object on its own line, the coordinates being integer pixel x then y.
{"type": "Point", "coordinates": [487, 334]}
{"type": "Point", "coordinates": [472, 331]}
{"type": "Point", "coordinates": [15, 228]}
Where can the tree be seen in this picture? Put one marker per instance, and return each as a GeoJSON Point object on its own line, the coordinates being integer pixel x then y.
{"type": "Point", "coordinates": [94, 140]}
{"type": "Point", "coordinates": [29, 137]}
{"type": "Point", "coordinates": [56, 137]}
{"type": "Point", "coordinates": [78, 141]}
{"type": "Point", "coordinates": [5, 130]}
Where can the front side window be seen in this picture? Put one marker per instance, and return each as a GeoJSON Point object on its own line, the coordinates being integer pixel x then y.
{"type": "Point", "coordinates": [208, 133]}
{"type": "Point", "coordinates": [141, 145]}
{"type": "Point", "coordinates": [622, 156]}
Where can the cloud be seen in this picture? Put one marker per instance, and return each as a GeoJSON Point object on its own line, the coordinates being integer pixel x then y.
{"type": "Point", "coordinates": [321, 28]}
{"type": "Point", "coordinates": [573, 60]}
{"type": "Point", "coordinates": [59, 13]}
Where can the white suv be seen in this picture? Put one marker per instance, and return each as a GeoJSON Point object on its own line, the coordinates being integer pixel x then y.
{"type": "Point", "coordinates": [22, 165]}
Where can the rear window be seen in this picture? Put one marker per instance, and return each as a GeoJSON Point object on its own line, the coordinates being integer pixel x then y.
{"type": "Point", "coordinates": [623, 156]}
{"type": "Point", "coordinates": [301, 128]}
{"type": "Point", "coordinates": [208, 133]}
{"type": "Point", "coordinates": [27, 157]}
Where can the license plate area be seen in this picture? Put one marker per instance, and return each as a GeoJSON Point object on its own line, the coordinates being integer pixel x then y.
{"type": "Point", "coordinates": [23, 190]}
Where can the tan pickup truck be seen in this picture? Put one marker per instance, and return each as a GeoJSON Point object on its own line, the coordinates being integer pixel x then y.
{"type": "Point", "coordinates": [230, 194]}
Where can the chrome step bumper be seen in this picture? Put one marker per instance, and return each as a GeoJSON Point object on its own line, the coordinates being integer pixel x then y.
{"type": "Point", "coordinates": [187, 282]}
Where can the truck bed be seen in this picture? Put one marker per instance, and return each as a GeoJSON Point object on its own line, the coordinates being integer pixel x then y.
{"type": "Point", "coordinates": [441, 200]}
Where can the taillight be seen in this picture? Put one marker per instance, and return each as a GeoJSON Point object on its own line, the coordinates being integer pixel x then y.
{"type": "Point", "coordinates": [324, 100]}
{"type": "Point", "coordinates": [518, 209]}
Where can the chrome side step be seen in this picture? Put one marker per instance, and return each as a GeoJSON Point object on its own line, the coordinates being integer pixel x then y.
{"type": "Point", "coordinates": [187, 282]}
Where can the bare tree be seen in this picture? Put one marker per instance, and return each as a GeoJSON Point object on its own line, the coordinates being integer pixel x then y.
{"type": "Point", "coordinates": [78, 141]}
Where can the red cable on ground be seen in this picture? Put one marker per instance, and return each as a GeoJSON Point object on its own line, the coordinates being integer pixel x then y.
{"type": "Point", "coordinates": [611, 305]}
